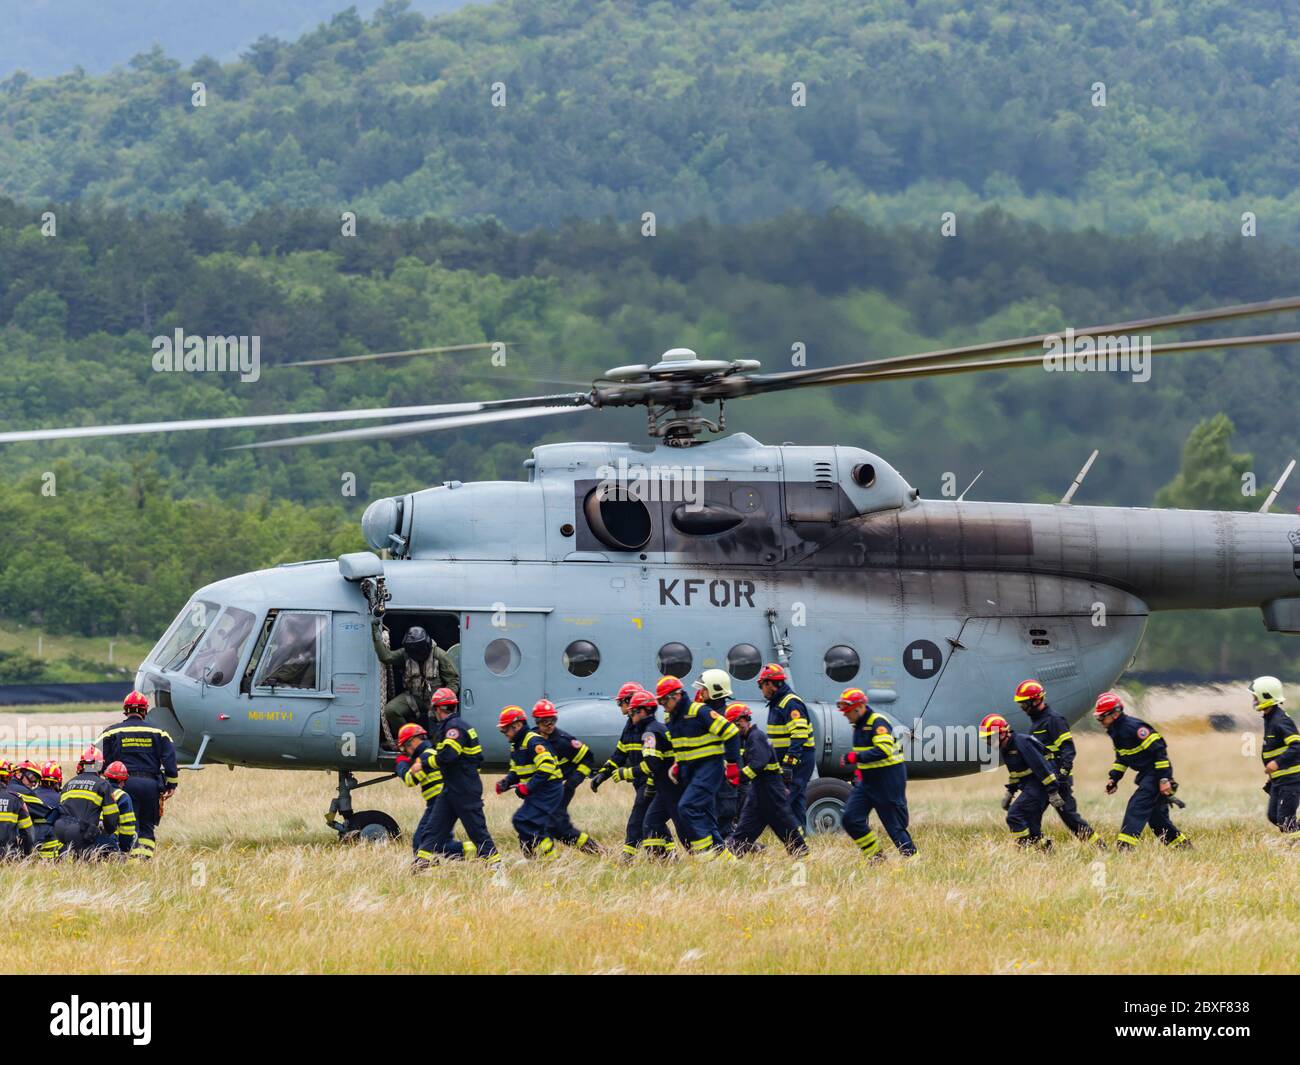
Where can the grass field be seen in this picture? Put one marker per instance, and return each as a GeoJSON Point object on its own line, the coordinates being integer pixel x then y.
{"type": "Point", "coordinates": [249, 879]}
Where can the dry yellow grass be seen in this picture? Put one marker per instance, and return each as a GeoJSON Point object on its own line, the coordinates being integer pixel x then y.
{"type": "Point", "coordinates": [248, 879]}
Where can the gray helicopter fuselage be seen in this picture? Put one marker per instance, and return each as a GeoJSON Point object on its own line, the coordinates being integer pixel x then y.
{"type": "Point", "coordinates": [617, 562]}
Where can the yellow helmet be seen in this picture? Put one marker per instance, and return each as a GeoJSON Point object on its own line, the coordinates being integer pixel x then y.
{"type": "Point", "coordinates": [1267, 691]}
{"type": "Point", "coordinates": [716, 684]}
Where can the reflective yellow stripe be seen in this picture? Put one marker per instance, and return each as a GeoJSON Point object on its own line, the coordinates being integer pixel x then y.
{"type": "Point", "coordinates": [1284, 772]}
{"type": "Point", "coordinates": [82, 793]}
{"type": "Point", "coordinates": [8, 817]}
{"type": "Point", "coordinates": [1130, 751]}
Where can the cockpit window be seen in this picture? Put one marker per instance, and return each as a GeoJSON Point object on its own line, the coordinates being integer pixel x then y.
{"type": "Point", "coordinates": [217, 657]}
{"type": "Point", "coordinates": [293, 654]}
{"type": "Point", "coordinates": [184, 635]}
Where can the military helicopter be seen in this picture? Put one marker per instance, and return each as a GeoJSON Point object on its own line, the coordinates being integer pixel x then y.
{"type": "Point", "coordinates": [614, 561]}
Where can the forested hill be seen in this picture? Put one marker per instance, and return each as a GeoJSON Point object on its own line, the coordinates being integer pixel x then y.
{"type": "Point", "coordinates": [685, 109]}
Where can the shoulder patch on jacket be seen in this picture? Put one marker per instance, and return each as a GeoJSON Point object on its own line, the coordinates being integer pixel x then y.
{"type": "Point", "coordinates": [1143, 732]}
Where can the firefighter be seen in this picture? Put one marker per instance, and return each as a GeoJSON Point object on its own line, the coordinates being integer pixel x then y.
{"type": "Point", "coordinates": [767, 802]}
{"type": "Point", "coordinates": [1032, 784]}
{"type": "Point", "coordinates": [124, 839]}
{"type": "Point", "coordinates": [41, 806]}
{"type": "Point", "coordinates": [150, 758]}
{"type": "Point", "coordinates": [417, 766]}
{"type": "Point", "coordinates": [85, 803]}
{"type": "Point", "coordinates": [459, 757]}
{"type": "Point", "coordinates": [880, 777]}
{"type": "Point", "coordinates": [17, 838]}
{"type": "Point", "coordinates": [1280, 754]}
{"type": "Point", "coordinates": [51, 785]}
{"type": "Point", "coordinates": [706, 750]}
{"type": "Point", "coordinates": [1052, 730]}
{"type": "Point", "coordinates": [790, 730]}
{"type": "Point", "coordinates": [575, 760]}
{"type": "Point", "coordinates": [424, 668]}
{"type": "Point", "coordinates": [1141, 748]}
{"type": "Point", "coordinates": [535, 776]}
{"type": "Point", "coordinates": [624, 764]}
{"type": "Point", "coordinates": [657, 768]}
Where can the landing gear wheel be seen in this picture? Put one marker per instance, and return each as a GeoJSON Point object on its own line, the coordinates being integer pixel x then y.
{"type": "Point", "coordinates": [825, 801]}
{"type": "Point", "coordinates": [370, 826]}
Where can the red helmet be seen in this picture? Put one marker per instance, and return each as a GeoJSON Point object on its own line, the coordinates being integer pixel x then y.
{"type": "Point", "coordinates": [29, 766]}
{"type": "Point", "coordinates": [851, 697]}
{"type": "Point", "coordinates": [1029, 691]}
{"type": "Point", "coordinates": [736, 710]}
{"type": "Point", "coordinates": [116, 771]}
{"type": "Point", "coordinates": [409, 732]}
{"type": "Point", "coordinates": [643, 700]}
{"type": "Point", "coordinates": [6, 769]}
{"type": "Point", "coordinates": [52, 773]}
{"type": "Point", "coordinates": [994, 725]}
{"type": "Point", "coordinates": [135, 703]}
{"type": "Point", "coordinates": [92, 758]}
{"type": "Point", "coordinates": [544, 710]}
{"type": "Point", "coordinates": [773, 672]}
{"type": "Point", "coordinates": [510, 715]}
{"type": "Point", "coordinates": [627, 691]}
{"type": "Point", "coordinates": [1107, 703]}
{"type": "Point", "coordinates": [443, 697]}
{"type": "Point", "coordinates": [668, 685]}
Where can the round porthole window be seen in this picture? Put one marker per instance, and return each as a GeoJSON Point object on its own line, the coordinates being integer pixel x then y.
{"type": "Point", "coordinates": [842, 663]}
{"type": "Point", "coordinates": [674, 660]}
{"type": "Point", "coordinates": [581, 658]}
{"type": "Point", "coordinates": [744, 661]}
{"type": "Point", "coordinates": [502, 657]}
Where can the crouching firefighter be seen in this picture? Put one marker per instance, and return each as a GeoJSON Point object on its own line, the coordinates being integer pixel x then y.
{"type": "Point", "coordinates": [417, 767]}
{"type": "Point", "coordinates": [1031, 783]}
{"type": "Point", "coordinates": [767, 799]}
{"type": "Point", "coordinates": [123, 841]}
{"type": "Point", "coordinates": [1141, 748]}
{"type": "Point", "coordinates": [85, 804]}
{"type": "Point", "coordinates": [150, 759]}
{"type": "Point", "coordinates": [881, 776]}
{"type": "Point", "coordinates": [459, 758]}
{"type": "Point", "coordinates": [575, 760]}
{"type": "Point", "coordinates": [535, 776]}
{"type": "Point", "coordinates": [1052, 730]}
{"type": "Point", "coordinates": [624, 764]}
{"type": "Point", "coordinates": [17, 839]}
{"type": "Point", "coordinates": [41, 806]}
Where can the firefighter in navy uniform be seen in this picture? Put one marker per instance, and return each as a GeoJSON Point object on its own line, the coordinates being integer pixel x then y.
{"type": "Point", "coordinates": [881, 778]}
{"type": "Point", "coordinates": [41, 806]}
{"type": "Point", "coordinates": [459, 757]}
{"type": "Point", "coordinates": [575, 760]}
{"type": "Point", "coordinates": [51, 785]}
{"type": "Point", "coordinates": [623, 765]}
{"type": "Point", "coordinates": [790, 730]}
{"type": "Point", "coordinates": [124, 839]}
{"type": "Point", "coordinates": [1141, 748]}
{"type": "Point", "coordinates": [658, 768]}
{"type": "Point", "coordinates": [767, 800]}
{"type": "Point", "coordinates": [1052, 730]}
{"type": "Point", "coordinates": [1280, 754]}
{"type": "Point", "coordinates": [1032, 784]}
{"type": "Point", "coordinates": [417, 767]}
{"type": "Point", "coordinates": [150, 758]}
{"type": "Point", "coordinates": [535, 775]}
{"type": "Point", "coordinates": [706, 749]}
{"type": "Point", "coordinates": [85, 803]}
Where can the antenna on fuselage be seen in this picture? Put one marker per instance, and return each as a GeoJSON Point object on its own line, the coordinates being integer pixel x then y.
{"type": "Point", "coordinates": [1277, 487]}
{"type": "Point", "coordinates": [969, 486]}
{"type": "Point", "coordinates": [1078, 478]}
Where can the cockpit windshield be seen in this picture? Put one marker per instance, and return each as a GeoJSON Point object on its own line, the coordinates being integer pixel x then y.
{"type": "Point", "coordinates": [186, 631]}
{"type": "Point", "coordinates": [217, 657]}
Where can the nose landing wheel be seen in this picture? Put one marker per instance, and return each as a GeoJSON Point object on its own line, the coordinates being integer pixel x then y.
{"type": "Point", "coordinates": [369, 826]}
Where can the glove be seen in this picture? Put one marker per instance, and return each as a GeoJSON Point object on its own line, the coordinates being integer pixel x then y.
{"type": "Point", "coordinates": [1112, 786]}
{"type": "Point", "coordinates": [599, 778]}
{"type": "Point", "coordinates": [1007, 799]}
{"type": "Point", "coordinates": [378, 610]}
{"type": "Point", "coordinates": [1057, 800]}
{"type": "Point", "coordinates": [787, 776]}
{"type": "Point", "coordinates": [502, 787]}
{"type": "Point", "coordinates": [733, 774]}
{"type": "Point", "coordinates": [849, 759]}
{"type": "Point", "coordinates": [674, 773]}
{"type": "Point", "coordinates": [403, 764]}
{"type": "Point", "coordinates": [522, 789]}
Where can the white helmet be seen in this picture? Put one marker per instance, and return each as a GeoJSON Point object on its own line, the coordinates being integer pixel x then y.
{"type": "Point", "coordinates": [716, 684]}
{"type": "Point", "coordinates": [1267, 692]}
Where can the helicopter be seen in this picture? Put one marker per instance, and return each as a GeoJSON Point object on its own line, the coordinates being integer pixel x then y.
{"type": "Point", "coordinates": [695, 550]}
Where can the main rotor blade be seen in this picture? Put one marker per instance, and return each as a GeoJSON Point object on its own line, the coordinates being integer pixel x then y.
{"type": "Point", "coordinates": [396, 354]}
{"type": "Point", "coordinates": [416, 428]}
{"type": "Point", "coordinates": [948, 369]}
{"type": "Point", "coordinates": [247, 421]}
{"type": "Point", "coordinates": [772, 382]}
